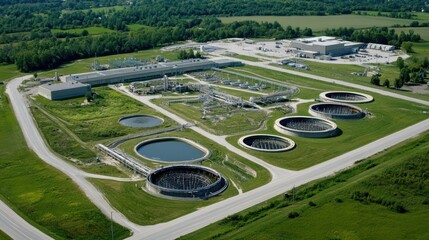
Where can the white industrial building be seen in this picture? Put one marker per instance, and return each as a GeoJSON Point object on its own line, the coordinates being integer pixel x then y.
{"type": "Point", "coordinates": [64, 90]}
{"type": "Point", "coordinates": [151, 71]}
{"type": "Point", "coordinates": [324, 46]}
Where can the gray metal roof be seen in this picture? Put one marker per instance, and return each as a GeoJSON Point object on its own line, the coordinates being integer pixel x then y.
{"type": "Point", "coordinates": [63, 86]}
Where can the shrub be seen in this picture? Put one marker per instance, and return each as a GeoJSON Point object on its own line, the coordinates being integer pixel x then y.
{"type": "Point", "coordinates": [293, 215]}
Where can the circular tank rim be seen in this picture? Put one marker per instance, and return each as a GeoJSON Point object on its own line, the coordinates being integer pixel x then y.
{"type": "Point", "coordinates": [290, 141]}
{"type": "Point", "coordinates": [190, 142]}
{"type": "Point", "coordinates": [316, 113]}
{"type": "Point", "coordinates": [368, 99]}
{"type": "Point", "coordinates": [140, 115]}
{"type": "Point", "coordinates": [332, 124]}
{"type": "Point", "coordinates": [219, 179]}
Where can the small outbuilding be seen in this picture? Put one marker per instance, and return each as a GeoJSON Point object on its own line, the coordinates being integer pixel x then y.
{"type": "Point", "coordinates": [64, 90]}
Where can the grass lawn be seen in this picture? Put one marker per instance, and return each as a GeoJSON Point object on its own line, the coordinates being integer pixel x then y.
{"type": "Point", "coordinates": [222, 120]}
{"type": "Point", "coordinates": [143, 208]}
{"type": "Point", "coordinates": [384, 197]}
{"type": "Point", "coordinates": [422, 31]}
{"type": "Point", "coordinates": [99, 120]}
{"type": "Point", "coordinates": [41, 194]}
{"type": "Point", "coordinates": [60, 141]}
{"type": "Point", "coordinates": [389, 115]}
{"type": "Point", "coordinates": [8, 71]}
{"type": "Point", "coordinates": [244, 57]}
{"type": "Point", "coordinates": [91, 30]}
{"type": "Point", "coordinates": [4, 236]}
{"type": "Point", "coordinates": [320, 23]}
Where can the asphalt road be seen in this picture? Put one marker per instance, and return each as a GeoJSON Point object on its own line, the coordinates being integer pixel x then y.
{"type": "Point", "coordinates": [283, 180]}
{"type": "Point", "coordinates": [35, 142]}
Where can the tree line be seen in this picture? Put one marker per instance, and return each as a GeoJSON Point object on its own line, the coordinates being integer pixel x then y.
{"type": "Point", "coordinates": [48, 53]}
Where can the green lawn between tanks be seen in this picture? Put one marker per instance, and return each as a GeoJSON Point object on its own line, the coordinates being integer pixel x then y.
{"type": "Point", "coordinates": [41, 194]}
{"type": "Point", "coordinates": [64, 145]}
{"type": "Point", "coordinates": [320, 23]}
{"type": "Point", "coordinates": [242, 179]}
{"type": "Point", "coordinates": [237, 122]}
{"type": "Point", "coordinates": [83, 65]}
{"type": "Point", "coordinates": [4, 236]}
{"type": "Point", "coordinates": [145, 209]}
{"type": "Point", "coordinates": [99, 120]}
{"type": "Point", "coordinates": [391, 179]}
{"type": "Point", "coordinates": [142, 208]}
{"type": "Point", "coordinates": [390, 115]}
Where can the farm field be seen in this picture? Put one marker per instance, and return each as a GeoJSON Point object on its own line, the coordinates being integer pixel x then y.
{"type": "Point", "coordinates": [383, 197]}
{"type": "Point", "coordinates": [91, 30]}
{"type": "Point", "coordinates": [320, 23]}
{"type": "Point", "coordinates": [422, 31]}
{"type": "Point", "coordinates": [41, 194]}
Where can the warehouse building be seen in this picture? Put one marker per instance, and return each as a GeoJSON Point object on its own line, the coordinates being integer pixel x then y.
{"type": "Point", "coordinates": [65, 90]}
{"type": "Point", "coordinates": [324, 46]}
{"type": "Point", "coordinates": [145, 72]}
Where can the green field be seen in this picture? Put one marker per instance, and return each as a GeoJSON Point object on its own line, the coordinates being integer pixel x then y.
{"type": "Point", "coordinates": [41, 194]}
{"type": "Point", "coordinates": [98, 120]}
{"type": "Point", "coordinates": [312, 151]}
{"type": "Point", "coordinates": [8, 71]}
{"type": "Point", "coordinates": [142, 208]}
{"type": "Point", "coordinates": [320, 23]}
{"type": "Point", "coordinates": [417, 15]}
{"type": "Point", "coordinates": [221, 121]}
{"type": "Point", "coordinates": [91, 30]}
{"type": "Point", "coordinates": [4, 236]}
{"type": "Point", "coordinates": [384, 197]}
{"type": "Point", "coordinates": [244, 57]}
{"type": "Point", "coordinates": [422, 31]}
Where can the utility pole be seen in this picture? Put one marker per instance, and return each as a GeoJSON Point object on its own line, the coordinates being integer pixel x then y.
{"type": "Point", "coordinates": [111, 223]}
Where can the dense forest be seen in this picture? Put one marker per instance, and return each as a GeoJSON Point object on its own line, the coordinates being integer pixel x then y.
{"type": "Point", "coordinates": [27, 39]}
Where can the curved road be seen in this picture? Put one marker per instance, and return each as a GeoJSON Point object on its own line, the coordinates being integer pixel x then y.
{"type": "Point", "coordinates": [283, 180]}
{"type": "Point", "coordinates": [36, 143]}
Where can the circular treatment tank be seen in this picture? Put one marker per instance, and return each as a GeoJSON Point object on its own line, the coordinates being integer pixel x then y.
{"type": "Point", "coordinates": [346, 97]}
{"type": "Point", "coordinates": [141, 121]}
{"type": "Point", "coordinates": [266, 143]}
{"type": "Point", "coordinates": [336, 111]}
{"type": "Point", "coordinates": [304, 126]}
{"type": "Point", "coordinates": [172, 149]}
{"type": "Point", "coordinates": [186, 181]}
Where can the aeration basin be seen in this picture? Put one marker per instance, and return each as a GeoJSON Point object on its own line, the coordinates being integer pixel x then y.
{"type": "Point", "coordinates": [336, 111]}
{"type": "Point", "coordinates": [266, 143]}
{"type": "Point", "coordinates": [141, 121]}
{"type": "Point", "coordinates": [346, 97]}
{"type": "Point", "coordinates": [305, 126]}
{"type": "Point", "coordinates": [186, 182]}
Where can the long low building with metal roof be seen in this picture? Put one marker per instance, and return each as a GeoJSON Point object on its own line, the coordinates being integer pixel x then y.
{"type": "Point", "coordinates": [148, 71]}
{"type": "Point", "coordinates": [65, 90]}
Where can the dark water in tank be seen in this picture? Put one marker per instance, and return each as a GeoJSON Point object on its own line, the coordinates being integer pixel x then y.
{"type": "Point", "coordinates": [170, 150]}
{"type": "Point", "coordinates": [140, 121]}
